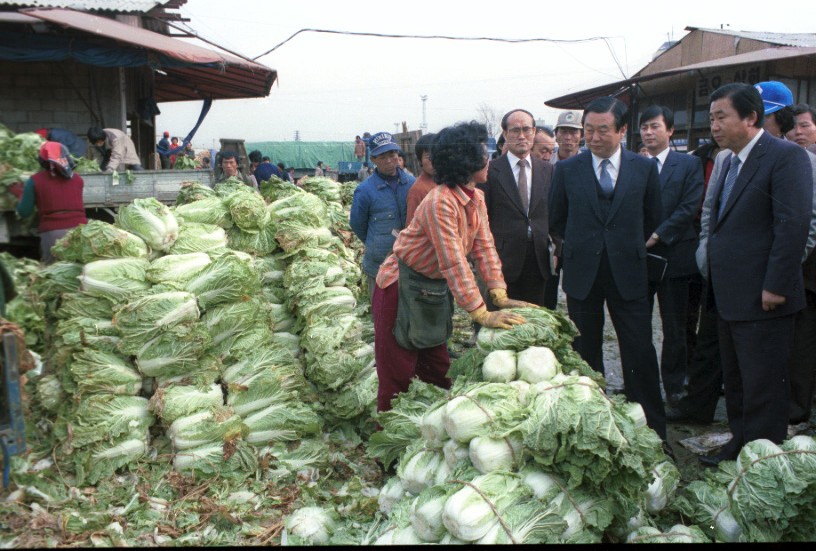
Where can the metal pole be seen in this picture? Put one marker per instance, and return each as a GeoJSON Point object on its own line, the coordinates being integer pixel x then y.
{"type": "Point", "coordinates": [424, 119]}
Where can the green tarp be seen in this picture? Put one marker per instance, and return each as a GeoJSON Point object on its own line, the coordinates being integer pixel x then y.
{"type": "Point", "coordinates": [304, 155]}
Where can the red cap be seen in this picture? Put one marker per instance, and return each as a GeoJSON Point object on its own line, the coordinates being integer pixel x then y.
{"type": "Point", "coordinates": [166, 133]}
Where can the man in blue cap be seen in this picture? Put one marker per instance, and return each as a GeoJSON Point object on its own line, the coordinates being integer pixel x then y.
{"type": "Point", "coordinates": [378, 210]}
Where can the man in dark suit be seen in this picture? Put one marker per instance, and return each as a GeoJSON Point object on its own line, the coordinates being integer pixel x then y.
{"type": "Point", "coordinates": [516, 194]}
{"type": "Point", "coordinates": [675, 239]}
{"type": "Point", "coordinates": [757, 231]}
{"type": "Point", "coordinates": [605, 203]}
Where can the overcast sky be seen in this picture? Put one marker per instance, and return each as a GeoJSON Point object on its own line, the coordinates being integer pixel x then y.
{"type": "Point", "coordinates": [333, 87]}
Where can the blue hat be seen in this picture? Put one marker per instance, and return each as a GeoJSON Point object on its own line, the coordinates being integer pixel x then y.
{"type": "Point", "coordinates": [382, 142]}
{"type": "Point", "coordinates": [775, 95]}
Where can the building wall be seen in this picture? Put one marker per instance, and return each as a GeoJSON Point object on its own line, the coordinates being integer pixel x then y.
{"type": "Point", "coordinates": [65, 95]}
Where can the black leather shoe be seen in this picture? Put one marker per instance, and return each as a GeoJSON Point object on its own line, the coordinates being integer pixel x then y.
{"type": "Point", "coordinates": [674, 415]}
{"type": "Point", "coordinates": [710, 460]}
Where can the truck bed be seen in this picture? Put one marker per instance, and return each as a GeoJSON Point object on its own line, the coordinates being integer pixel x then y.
{"type": "Point", "coordinates": [164, 185]}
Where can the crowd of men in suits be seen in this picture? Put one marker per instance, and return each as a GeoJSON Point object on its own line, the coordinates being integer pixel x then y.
{"type": "Point", "coordinates": [620, 229]}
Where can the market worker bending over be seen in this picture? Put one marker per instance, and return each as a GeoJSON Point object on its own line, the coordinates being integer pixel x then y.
{"type": "Point", "coordinates": [380, 205]}
{"type": "Point", "coordinates": [112, 149]}
{"type": "Point", "coordinates": [56, 191]}
{"type": "Point", "coordinates": [429, 269]}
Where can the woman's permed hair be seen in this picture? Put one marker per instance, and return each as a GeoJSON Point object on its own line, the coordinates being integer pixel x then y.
{"type": "Point", "coordinates": [458, 151]}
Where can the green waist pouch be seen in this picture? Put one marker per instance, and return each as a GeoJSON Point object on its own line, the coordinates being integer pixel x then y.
{"type": "Point", "coordinates": [424, 310]}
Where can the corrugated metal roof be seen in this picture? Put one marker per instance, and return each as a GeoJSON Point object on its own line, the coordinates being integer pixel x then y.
{"type": "Point", "coordinates": [802, 40]}
{"type": "Point", "coordinates": [205, 74]}
{"type": "Point", "coordinates": [119, 6]}
{"type": "Point", "coordinates": [621, 88]}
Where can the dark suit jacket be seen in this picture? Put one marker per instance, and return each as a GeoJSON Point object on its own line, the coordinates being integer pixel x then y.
{"type": "Point", "coordinates": [509, 223]}
{"type": "Point", "coordinates": [576, 217]}
{"type": "Point", "coordinates": [681, 192]}
{"type": "Point", "coordinates": [757, 244]}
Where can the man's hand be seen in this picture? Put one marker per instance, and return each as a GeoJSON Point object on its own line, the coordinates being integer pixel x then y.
{"type": "Point", "coordinates": [652, 241]}
{"type": "Point", "coordinates": [501, 300]}
{"type": "Point", "coordinates": [771, 300]}
{"type": "Point", "coordinates": [499, 319]}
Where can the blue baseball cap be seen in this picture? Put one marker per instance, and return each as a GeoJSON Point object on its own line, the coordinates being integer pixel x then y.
{"type": "Point", "coordinates": [383, 142]}
{"type": "Point", "coordinates": [775, 95]}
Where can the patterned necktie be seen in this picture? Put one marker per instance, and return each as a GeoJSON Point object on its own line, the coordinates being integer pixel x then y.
{"type": "Point", "coordinates": [730, 179]}
{"type": "Point", "coordinates": [606, 179]}
{"type": "Point", "coordinates": [522, 184]}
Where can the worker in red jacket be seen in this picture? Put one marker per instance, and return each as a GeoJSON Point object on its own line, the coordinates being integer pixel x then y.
{"type": "Point", "coordinates": [56, 191]}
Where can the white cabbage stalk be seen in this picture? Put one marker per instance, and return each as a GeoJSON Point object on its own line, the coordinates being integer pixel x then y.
{"type": "Point", "coordinates": [523, 387]}
{"type": "Point", "coordinates": [391, 493]}
{"type": "Point", "coordinates": [406, 536]}
{"type": "Point", "coordinates": [133, 448]}
{"type": "Point", "coordinates": [176, 267]}
{"type": "Point", "coordinates": [449, 539]}
{"type": "Point", "coordinates": [443, 472]}
{"type": "Point", "coordinates": [463, 419]}
{"type": "Point", "coordinates": [635, 412]}
{"type": "Point", "coordinates": [426, 514]}
{"type": "Point", "coordinates": [432, 427]}
{"type": "Point", "coordinates": [495, 454]}
{"type": "Point", "coordinates": [545, 487]}
{"type": "Point", "coordinates": [499, 366]}
{"type": "Point", "coordinates": [419, 472]}
{"type": "Point", "coordinates": [536, 364]}
{"type": "Point", "coordinates": [467, 514]}
{"type": "Point", "coordinates": [455, 452]}
{"type": "Point", "coordinates": [312, 524]}
{"type": "Point", "coordinates": [665, 483]}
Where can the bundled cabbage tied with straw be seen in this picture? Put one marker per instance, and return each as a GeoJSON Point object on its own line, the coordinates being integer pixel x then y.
{"type": "Point", "coordinates": [172, 312]}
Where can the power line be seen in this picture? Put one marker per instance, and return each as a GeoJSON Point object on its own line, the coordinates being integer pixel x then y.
{"type": "Point", "coordinates": [432, 37]}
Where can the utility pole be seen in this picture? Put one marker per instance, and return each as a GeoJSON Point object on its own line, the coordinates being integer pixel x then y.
{"type": "Point", "coordinates": [396, 128]}
{"type": "Point", "coordinates": [297, 135]}
{"type": "Point", "coordinates": [424, 126]}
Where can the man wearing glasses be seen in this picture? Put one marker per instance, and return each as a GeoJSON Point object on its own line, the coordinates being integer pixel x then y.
{"type": "Point", "coordinates": [516, 194]}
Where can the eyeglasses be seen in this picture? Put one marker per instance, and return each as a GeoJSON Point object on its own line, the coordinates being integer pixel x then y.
{"type": "Point", "coordinates": [517, 130]}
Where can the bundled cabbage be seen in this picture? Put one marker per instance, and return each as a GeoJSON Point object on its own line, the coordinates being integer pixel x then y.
{"type": "Point", "coordinates": [193, 191]}
{"type": "Point", "coordinates": [143, 319]}
{"type": "Point", "coordinates": [179, 356]}
{"type": "Point", "coordinates": [98, 240]}
{"type": "Point", "coordinates": [420, 468]}
{"type": "Point", "coordinates": [194, 237]}
{"type": "Point", "coordinates": [496, 454]}
{"type": "Point", "coordinates": [227, 323]}
{"type": "Point", "coordinates": [471, 512]}
{"type": "Point", "coordinates": [206, 210]}
{"type": "Point", "coordinates": [282, 420]}
{"type": "Point", "coordinates": [215, 425]}
{"type": "Point", "coordinates": [229, 278]}
{"type": "Point", "coordinates": [536, 364]}
{"type": "Point", "coordinates": [176, 268]}
{"type": "Point", "coordinates": [150, 220]}
{"type": "Point", "coordinates": [102, 460]}
{"type": "Point", "coordinates": [235, 459]}
{"type": "Point", "coordinates": [260, 360]}
{"type": "Point", "coordinates": [105, 417]}
{"type": "Point", "coordinates": [662, 489]}
{"type": "Point", "coordinates": [543, 327]}
{"type": "Point", "coordinates": [50, 394]}
{"type": "Point", "coordinates": [426, 512]}
{"type": "Point", "coordinates": [260, 242]}
{"type": "Point", "coordinates": [103, 372]}
{"type": "Point", "coordinates": [325, 188]}
{"type": "Point", "coordinates": [676, 534]}
{"type": "Point", "coordinates": [173, 401]}
{"type": "Point", "coordinates": [116, 279]}
{"type": "Point", "coordinates": [310, 526]}
{"type": "Point", "coordinates": [499, 366]}
{"type": "Point", "coordinates": [400, 426]}
{"type": "Point", "coordinates": [247, 209]}
{"type": "Point", "coordinates": [482, 409]}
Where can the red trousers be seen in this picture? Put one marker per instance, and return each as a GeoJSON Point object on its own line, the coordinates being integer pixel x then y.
{"type": "Point", "coordinates": [396, 366]}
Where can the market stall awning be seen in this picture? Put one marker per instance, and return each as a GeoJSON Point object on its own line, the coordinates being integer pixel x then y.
{"type": "Point", "coordinates": [621, 89]}
{"type": "Point", "coordinates": [184, 71]}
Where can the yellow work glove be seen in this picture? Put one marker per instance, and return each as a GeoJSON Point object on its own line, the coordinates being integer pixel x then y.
{"type": "Point", "coordinates": [498, 319]}
{"type": "Point", "coordinates": [501, 300]}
